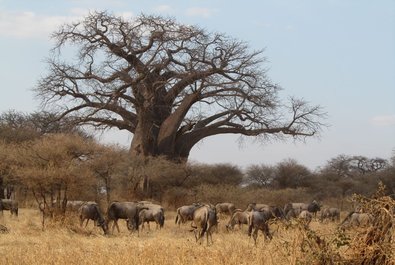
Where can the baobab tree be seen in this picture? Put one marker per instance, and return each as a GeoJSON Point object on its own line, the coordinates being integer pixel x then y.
{"type": "Point", "coordinates": [170, 85]}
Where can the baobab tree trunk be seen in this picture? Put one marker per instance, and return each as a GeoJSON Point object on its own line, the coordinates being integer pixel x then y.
{"type": "Point", "coordinates": [144, 138]}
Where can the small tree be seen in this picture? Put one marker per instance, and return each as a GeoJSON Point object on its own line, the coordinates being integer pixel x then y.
{"type": "Point", "coordinates": [345, 166]}
{"type": "Point", "coordinates": [107, 166]}
{"type": "Point", "coordinates": [260, 175]}
{"type": "Point", "coordinates": [51, 167]}
{"type": "Point", "coordinates": [290, 174]}
{"type": "Point", "coordinates": [222, 174]}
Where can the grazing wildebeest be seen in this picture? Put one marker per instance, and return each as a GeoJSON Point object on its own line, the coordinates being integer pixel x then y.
{"type": "Point", "coordinates": [258, 220]}
{"type": "Point", "coordinates": [125, 210]}
{"type": "Point", "coordinates": [225, 208]}
{"type": "Point", "coordinates": [10, 205]}
{"type": "Point", "coordinates": [275, 210]}
{"type": "Point", "coordinates": [205, 220]}
{"type": "Point", "coordinates": [354, 219]}
{"type": "Point", "coordinates": [91, 211]}
{"type": "Point", "coordinates": [237, 218]}
{"type": "Point", "coordinates": [305, 217]}
{"type": "Point", "coordinates": [312, 207]}
{"type": "Point", "coordinates": [332, 214]}
{"type": "Point", "coordinates": [152, 215]}
{"type": "Point", "coordinates": [185, 213]}
{"type": "Point", "coordinates": [292, 213]}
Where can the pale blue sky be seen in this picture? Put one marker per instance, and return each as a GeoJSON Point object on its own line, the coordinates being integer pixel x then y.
{"type": "Point", "coordinates": [336, 53]}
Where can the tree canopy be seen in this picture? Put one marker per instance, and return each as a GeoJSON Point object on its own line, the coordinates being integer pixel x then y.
{"type": "Point", "coordinates": [170, 85]}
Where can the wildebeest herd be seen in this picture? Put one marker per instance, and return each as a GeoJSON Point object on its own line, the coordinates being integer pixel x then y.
{"type": "Point", "coordinates": [203, 217]}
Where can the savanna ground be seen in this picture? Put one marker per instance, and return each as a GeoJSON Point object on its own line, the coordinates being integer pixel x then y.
{"type": "Point", "coordinates": [26, 243]}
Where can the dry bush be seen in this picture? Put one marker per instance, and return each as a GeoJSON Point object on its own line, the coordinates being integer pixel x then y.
{"type": "Point", "coordinates": [302, 244]}
{"type": "Point", "coordinates": [226, 174]}
{"type": "Point", "coordinates": [220, 193]}
{"type": "Point", "coordinates": [278, 197]}
{"type": "Point", "coordinates": [375, 245]}
{"type": "Point", "coordinates": [175, 197]}
{"type": "Point", "coordinates": [241, 197]}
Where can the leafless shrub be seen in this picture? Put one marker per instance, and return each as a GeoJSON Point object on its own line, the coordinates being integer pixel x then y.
{"type": "Point", "coordinates": [3, 229]}
{"type": "Point", "coordinates": [375, 245]}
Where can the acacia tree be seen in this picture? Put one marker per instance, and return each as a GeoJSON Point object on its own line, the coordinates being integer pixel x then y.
{"type": "Point", "coordinates": [260, 175]}
{"type": "Point", "coordinates": [170, 85]}
{"type": "Point", "coordinates": [52, 167]}
{"type": "Point", "coordinates": [344, 166]}
{"type": "Point", "coordinates": [291, 174]}
{"type": "Point", "coordinates": [18, 127]}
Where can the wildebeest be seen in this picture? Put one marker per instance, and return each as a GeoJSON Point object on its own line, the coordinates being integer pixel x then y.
{"type": "Point", "coordinates": [205, 220]}
{"type": "Point", "coordinates": [124, 210]}
{"type": "Point", "coordinates": [237, 218]}
{"type": "Point", "coordinates": [74, 206]}
{"type": "Point", "coordinates": [10, 205]}
{"type": "Point", "coordinates": [354, 219]}
{"type": "Point", "coordinates": [305, 217]}
{"type": "Point", "coordinates": [258, 220]}
{"type": "Point", "coordinates": [91, 211]}
{"type": "Point", "coordinates": [312, 207]}
{"type": "Point", "coordinates": [276, 211]}
{"type": "Point", "coordinates": [152, 215]}
{"type": "Point", "coordinates": [225, 208]}
{"type": "Point", "coordinates": [257, 206]}
{"type": "Point", "coordinates": [332, 214]}
{"type": "Point", "coordinates": [185, 213]}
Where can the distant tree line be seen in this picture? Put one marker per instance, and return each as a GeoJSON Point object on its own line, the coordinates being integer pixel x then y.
{"type": "Point", "coordinates": [55, 162]}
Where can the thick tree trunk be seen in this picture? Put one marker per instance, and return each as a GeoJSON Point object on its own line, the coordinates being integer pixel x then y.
{"type": "Point", "coordinates": [145, 136]}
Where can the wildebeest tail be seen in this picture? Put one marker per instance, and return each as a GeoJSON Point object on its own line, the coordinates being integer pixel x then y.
{"type": "Point", "coordinates": [162, 221]}
{"type": "Point", "coordinates": [250, 224]}
{"type": "Point", "coordinates": [177, 217]}
{"type": "Point", "coordinates": [204, 229]}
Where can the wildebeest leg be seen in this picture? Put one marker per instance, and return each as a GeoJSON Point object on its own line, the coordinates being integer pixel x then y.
{"type": "Point", "coordinates": [267, 232]}
{"type": "Point", "coordinates": [209, 234]}
{"type": "Point", "coordinates": [86, 224]}
{"type": "Point", "coordinates": [255, 235]}
{"type": "Point", "coordinates": [195, 234]}
{"type": "Point", "coordinates": [115, 224]}
{"type": "Point", "coordinates": [142, 224]}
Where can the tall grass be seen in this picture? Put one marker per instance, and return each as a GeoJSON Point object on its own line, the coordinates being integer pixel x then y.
{"type": "Point", "coordinates": [26, 243]}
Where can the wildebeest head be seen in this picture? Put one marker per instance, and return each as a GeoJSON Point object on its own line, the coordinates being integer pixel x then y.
{"type": "Point", "coordinates": [101, 221]}
{"type": "Point", "coordinates": [104, 225]}
{"type": "Point", "coordinates": [277, 212]}
{"type": "Point", "coordinates": [131, 224]}
{"type": "Point", "coordinates": [251, 206]}
{"type": "Point", "coordinates": [313, 207]}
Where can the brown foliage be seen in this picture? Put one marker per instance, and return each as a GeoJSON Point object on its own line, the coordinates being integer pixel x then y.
{"type": "Point", "coordinates": [375, 245]}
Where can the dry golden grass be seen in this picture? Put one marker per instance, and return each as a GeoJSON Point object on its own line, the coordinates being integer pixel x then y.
{"type": "Point", "coordinates": [26, 243]}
